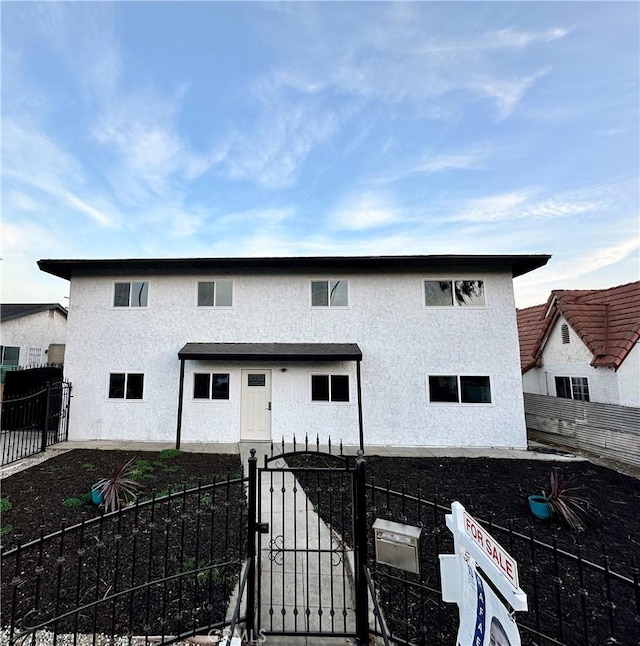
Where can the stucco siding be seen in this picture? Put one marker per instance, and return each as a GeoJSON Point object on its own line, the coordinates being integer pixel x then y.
{"type": "Point", "coordinates": [571, 359]}
{"type": "Point", "coordinates": [37, 330]}
{"type": "Point", "coordinates": [628, 375]}
{"type": "Point", "coordinates": [401, 340]}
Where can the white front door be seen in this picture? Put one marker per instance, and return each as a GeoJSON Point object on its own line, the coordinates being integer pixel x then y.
{"type": "Point", "coordinates": [255, 416]}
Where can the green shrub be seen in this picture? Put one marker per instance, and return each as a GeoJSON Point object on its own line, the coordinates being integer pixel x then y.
{"type": "Point", "coordinates": [5, 529]}
{"type": "Point", "coordinates": [168, 454]}
{"type": "Point", "coordinates": [73, 501]}
{"type": "Point", "coordinates": [5, 504]}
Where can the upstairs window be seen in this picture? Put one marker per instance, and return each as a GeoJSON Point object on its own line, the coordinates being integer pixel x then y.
{"type": "Point", "coordinates": [564, 333]}
{"type": "Point", "coordinates": [454, 389]}
{"type": "Point", "coordinates": [9, 354]}
{"type": "Point", "coordinates": [330, 388]}
{"type": "Point", "coordinates": [215, 293]}
{"type": "Point", "coordinates": [126, 385]}
{"type": "Point", "coordinates": [211, 386]}
{"type": "Point", "coordinates": [132, 294]}
{"type": "Point", "coordinates": [454, 293]}
{"type": "Point", "coordinates": [329, 293]}
{"type": "Point", "coordinates": [572, 388]}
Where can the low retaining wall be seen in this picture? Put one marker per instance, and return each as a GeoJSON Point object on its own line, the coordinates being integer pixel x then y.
{"type": "Point", "coordinates": [605, 429]}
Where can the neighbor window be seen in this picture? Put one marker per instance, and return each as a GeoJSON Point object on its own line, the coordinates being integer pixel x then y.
{"type": "Point", "coordinates": [10, 355]}
{"type": "Point", "coordinates": [454, 293]}
{"type": "Point", "coordinates": [455, 389]}
{"type": "Point", "coordinates": [329, 293]}
{"type": "Point", "coordinates": [330, 388]}
{"type": "Point", "coordinates": [133, 294]}
{"type": "Point", "coordinates": [126, 385]}
{"type": "Point", "coordinates": [572, 388]}
{"type": "Point", "coordinates": [211, 386]}
{"type": "Point", "coordinates": [34, 357]}
{"type": "Point", "coordinates": [215, 293]}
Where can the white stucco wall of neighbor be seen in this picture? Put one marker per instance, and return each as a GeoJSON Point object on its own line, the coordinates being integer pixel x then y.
{"type": "Point", "coordinates": [629, 378]}
{"type": "Point", "coordinates": [37, 330]}
{"type": "Point", "coordinates": [402, 342]}
{"type": "Point", "coordinates": [573, 359]}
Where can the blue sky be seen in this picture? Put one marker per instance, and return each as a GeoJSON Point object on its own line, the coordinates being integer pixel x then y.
{"type": "Point", "coordinates": [184, 129]}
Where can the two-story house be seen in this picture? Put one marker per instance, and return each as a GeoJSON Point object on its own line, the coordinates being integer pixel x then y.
{"type": "Point", "coordinates": [401, 350]}
{"type": "Point", "coordinates": [583, 345]}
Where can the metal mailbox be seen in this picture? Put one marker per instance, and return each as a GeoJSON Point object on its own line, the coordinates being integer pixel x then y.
{"type": "Point", "coordinates": [397, 545]}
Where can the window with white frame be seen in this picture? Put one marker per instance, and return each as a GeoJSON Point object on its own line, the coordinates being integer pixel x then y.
{"type": "Point", "coordinates": [330, 388]}
{"type": "Point", "coordinates": [131, 294]}
{"type": "Point", "coordinates": [454, 293]}
{"type": "Point", "coordinates": [459, 389]}
{"type": "Point", "coordinates": [213, 385]}
{"type": "Point", "coordinates": [34, 357]}
{"type": "Point", "coordinates": [329, 293]}
{"type": "Point", "coordinates": [126, 385]}
{"type": "Point", "coordinates": [572, 388]}
{"type": "Point", "coordinates": [215, 293]}
{"type": "Point", "coordinates": [10, 355]}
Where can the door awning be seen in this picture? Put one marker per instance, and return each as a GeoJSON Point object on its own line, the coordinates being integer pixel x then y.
{"type": "Point", "coordinates": [271, 351]}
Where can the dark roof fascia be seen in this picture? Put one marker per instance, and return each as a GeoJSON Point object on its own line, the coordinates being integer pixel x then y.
{"type": "Point", "coordinates": [517, 264]}
{"type": "Point", "coordinates": [271, 351]}
{"type": "Point", "coordinates": [27, 309]}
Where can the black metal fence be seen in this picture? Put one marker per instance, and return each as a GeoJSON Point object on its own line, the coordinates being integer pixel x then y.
{"type": "Point", "coordinates": [164, 567]}
{"type": "Point", "coordinates": [572, 600]}
{"type": "Point", "coordinates": [35, 421]}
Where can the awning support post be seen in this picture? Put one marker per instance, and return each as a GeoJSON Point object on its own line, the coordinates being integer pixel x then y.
{"type": "Point", "coordinates": [180, 398]}
{"type": "Point", "coordinates": [360, 425]}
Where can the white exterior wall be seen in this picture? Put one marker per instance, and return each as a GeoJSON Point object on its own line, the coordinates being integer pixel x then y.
{"type": "Point", "coordinates": [34, 331]}
{"type": "Point", "coordinates": [629, 378]}
{"type": "Point", "coordinates": [401, 340]}
{"type": "Point", "coordinates": [571, 359]}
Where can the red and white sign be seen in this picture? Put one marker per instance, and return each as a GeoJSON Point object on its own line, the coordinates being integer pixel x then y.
{"type": "Point", "coordinates": [500, 558]}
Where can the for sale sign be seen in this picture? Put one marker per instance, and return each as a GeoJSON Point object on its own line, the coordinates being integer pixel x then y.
{"type": "Point", "coordinates": [498, 556]}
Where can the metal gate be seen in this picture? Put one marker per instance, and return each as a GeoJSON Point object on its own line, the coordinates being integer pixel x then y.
{"type": "Point", "coordinates": [32, 423]}
{"type": "Point", "coordinates": [307, 575]}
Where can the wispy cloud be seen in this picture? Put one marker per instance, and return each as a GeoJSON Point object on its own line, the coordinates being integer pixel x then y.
{"type": "Point", "coordinates": [365, 211]}
{"type": "Point", "coordinates": [523, 204]}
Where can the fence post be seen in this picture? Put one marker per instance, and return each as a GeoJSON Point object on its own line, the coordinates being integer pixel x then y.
{"type": "Point", "coordinates": [251, 545]}
{"type": "Point", "coordinates": [360, 551]}
{"type": "Point", "coordinates": [45, 430]}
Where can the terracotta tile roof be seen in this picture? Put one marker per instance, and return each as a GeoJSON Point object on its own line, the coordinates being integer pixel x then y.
{"type": "Point", "coordinates": [607, 321]}
{"type": "Point", "coordinates": [530, 323]}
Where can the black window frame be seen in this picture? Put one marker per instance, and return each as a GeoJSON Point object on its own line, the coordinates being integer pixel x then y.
{"type": "Point", "coordinates": [330, 388]}
{"type": "Point", "coordinates": [213, 386]}
{"type": "Point", "coordinates": [126, 388]}
{"type": "Point", "coordinates": [457, 392]}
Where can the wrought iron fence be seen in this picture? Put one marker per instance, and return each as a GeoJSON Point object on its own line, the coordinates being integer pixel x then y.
{"type": "Point", "coordinates": [572, 600]}
{"type": "Point", "coordinates": [33, 422]}
{"type": "Point", "coordinates": [164, 567]}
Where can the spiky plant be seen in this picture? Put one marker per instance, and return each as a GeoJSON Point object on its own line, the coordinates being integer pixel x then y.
{"type": "Point", "coordinates": [564, 502]}
{"type": "Point", "coordinates": [119, 487]}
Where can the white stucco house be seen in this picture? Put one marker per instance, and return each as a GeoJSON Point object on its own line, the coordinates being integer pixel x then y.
{"type": "Point", "coordinates": [395, 350]}
{"type": "Point", "coordinates": [583, 345]}
{"type": "Point", "coordinates": [33, 334]}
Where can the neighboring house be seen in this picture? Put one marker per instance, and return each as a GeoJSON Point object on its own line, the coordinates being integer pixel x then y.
{"type": "Point", "coordinates": [402, 350]}
{"type": "Point", "coordinates": [33, 334]}
{"type": "Point", "coordinates": [583, 345]}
